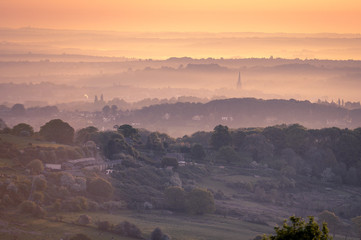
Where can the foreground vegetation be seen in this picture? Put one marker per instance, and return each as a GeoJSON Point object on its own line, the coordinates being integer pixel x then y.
{"type": "Point", "coordinates": [229, 183]}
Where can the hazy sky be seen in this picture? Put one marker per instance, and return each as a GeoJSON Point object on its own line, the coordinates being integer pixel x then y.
{"type": "Point", "coordinates": [306, 16]}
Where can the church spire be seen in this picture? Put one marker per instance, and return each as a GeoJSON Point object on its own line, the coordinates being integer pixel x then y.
{"type": "Point", "coordinates": [239, 84]}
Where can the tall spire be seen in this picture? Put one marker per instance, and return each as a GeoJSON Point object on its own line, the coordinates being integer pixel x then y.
{"type": "Point", "coordinates": [239, 84]}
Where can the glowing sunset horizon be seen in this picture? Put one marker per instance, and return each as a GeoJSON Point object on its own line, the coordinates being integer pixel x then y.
{"type": "Point", "coordinates": [186, 16]}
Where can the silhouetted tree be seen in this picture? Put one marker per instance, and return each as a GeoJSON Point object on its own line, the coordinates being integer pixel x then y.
{"type": "Point", "coordinates": [220, 137]}
{"type": "Point", "coordinates": [85, 134]}
{"type": "Point", "coordinates": [58, 131]}
{"type": "Point", "coordinates": [23, 129]}
{"type": "Point", "coordinates": [18, 110]}
{"type": "Point", "coordinates": [197, 152]}
{"type": "Point", "coordinates": [128, 131]}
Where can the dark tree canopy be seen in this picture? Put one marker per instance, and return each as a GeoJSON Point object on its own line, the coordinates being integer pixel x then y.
{"type": "Point", "coordinates": [100, 187]}
{"type": "Point", "coordinates": [58, 131]}
{"type": "Point", "coordinates": [298, 229]}
{"type": "Point", "coordinates": [220, 137]}
{"type": "Point", "coordinates": [200, 201]}
{"type": "Point", "coordinates": [18, 110]}
{"type": "Point", "coordinates": [175, 198]}
{"type": "Point", "coordinates": [128, 131]}
{"type": "Point", "coordinates": [23, 129]}
{"type": "Point", "coordinates": [197, 152]}
{"type": "Point", "coordinates": [85, 134]}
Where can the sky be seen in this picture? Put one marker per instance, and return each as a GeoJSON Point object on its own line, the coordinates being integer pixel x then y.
{"type": "Point", "coordinates": [272, 16]}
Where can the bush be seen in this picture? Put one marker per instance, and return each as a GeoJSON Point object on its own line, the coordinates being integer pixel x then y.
{"type": "Point", "coordinates": [27, 206]}
{"type": "Point", "coordinates": [169, 162]}
{"type": "Point", "coordinates": [197, 152]}
{"type": "Point", "coordinates": [40, 184]}
{"type": "Point", "coordinates": [36, 166]}
{"type": "Point", "coordinates": [84, 220]}
{"type": "Point", "coordinates": [157, 234]}
{"type": "Point", "coordinates": [75, 204]}
{"type": "Point", "coordinates": [103, 225]}
{"type": "Point", "coordinates": [128, 230]}
{"type": "Point", "coordinates": [175, 198]}
{"type": "Point", "coordinates": [100, 187]}
{"type": "Point", "coordinates": [200, 201]}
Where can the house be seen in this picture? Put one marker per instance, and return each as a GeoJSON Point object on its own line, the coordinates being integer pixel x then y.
{"type": "Point", "coordinates": [51, 166]}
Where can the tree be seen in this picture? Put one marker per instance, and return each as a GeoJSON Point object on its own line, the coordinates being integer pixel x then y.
{"type": "Point", "coordinates": [36, 166]}
{"type": "Point", "coordinates": [18, 110]}
{"type": "Point", "coordinates": [27, 206]}
{"type": "Point", "coordinates": [23, 129]}
{"type": "Point", "coordinates": [100, 187]}
{"type": "Point", "coordinates": [220, 137]}
{"type": "Point", "coordinates": [169, 162]}
{"type": "Point", "coordinates": [154, 142]}
{"type": "Point", "coordinates": [200, 201]}
{"type": "Point", "coordinates": [227, 154]}
{"type": "Point", "coordinates": [58, 131]}
{"type": "Point", "coordinates": [128, 229]}
{"type": "Point", "coordinates": [85, 134]}
{"type": "Point", "coordinates": [175, 198]}
{"type": "Point", "coordinates": [277, 137]}
{"type": "Point", "coordinates": [106, 110]}
{"type": "Point", "coordinates": [197, 152]}
{"type": "Point", "coordinates": [331, 219]}
{"type": "Point", "coordinates": [127, 131]}
{"type": "Point", "coordinates": [298, 229]}
{"type": "Point", "coordinates": [297, 138]}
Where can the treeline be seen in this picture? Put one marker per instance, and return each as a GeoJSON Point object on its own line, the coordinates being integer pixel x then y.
{"type": "Point", "coordinates": [328, 154]}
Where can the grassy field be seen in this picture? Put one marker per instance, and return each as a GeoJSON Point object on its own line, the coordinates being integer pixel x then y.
{"type": "Point", "coordinates": [23, 142]}
{"type": "Point", "coordinates": [179, 227]}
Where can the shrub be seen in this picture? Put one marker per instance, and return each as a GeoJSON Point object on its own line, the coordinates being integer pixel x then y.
{"type": "Point", "coordinates": [27, 206]}
{"type": "Point", "coordinates": [128, 230]}
{"type": "Point", "coordinates": [84, 220]}
{"type": "Point", "coordinates": [103, 225]}
{"type": "Point", "coordinates": [75, 204]}
{"type": "Point", "coordinates": [200, 201]}
{"type": "Point", "coordinates": [169, 162]}
{"type": "Point", "coordinates": [36, 166]}
{"type": "Point", "coordinates": [100, 187]}
{"type": "Point", "coordinates": [175, 198]}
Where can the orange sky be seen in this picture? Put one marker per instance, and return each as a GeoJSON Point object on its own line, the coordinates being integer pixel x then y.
{"type": "Point", "coordinates": [306, 16]}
